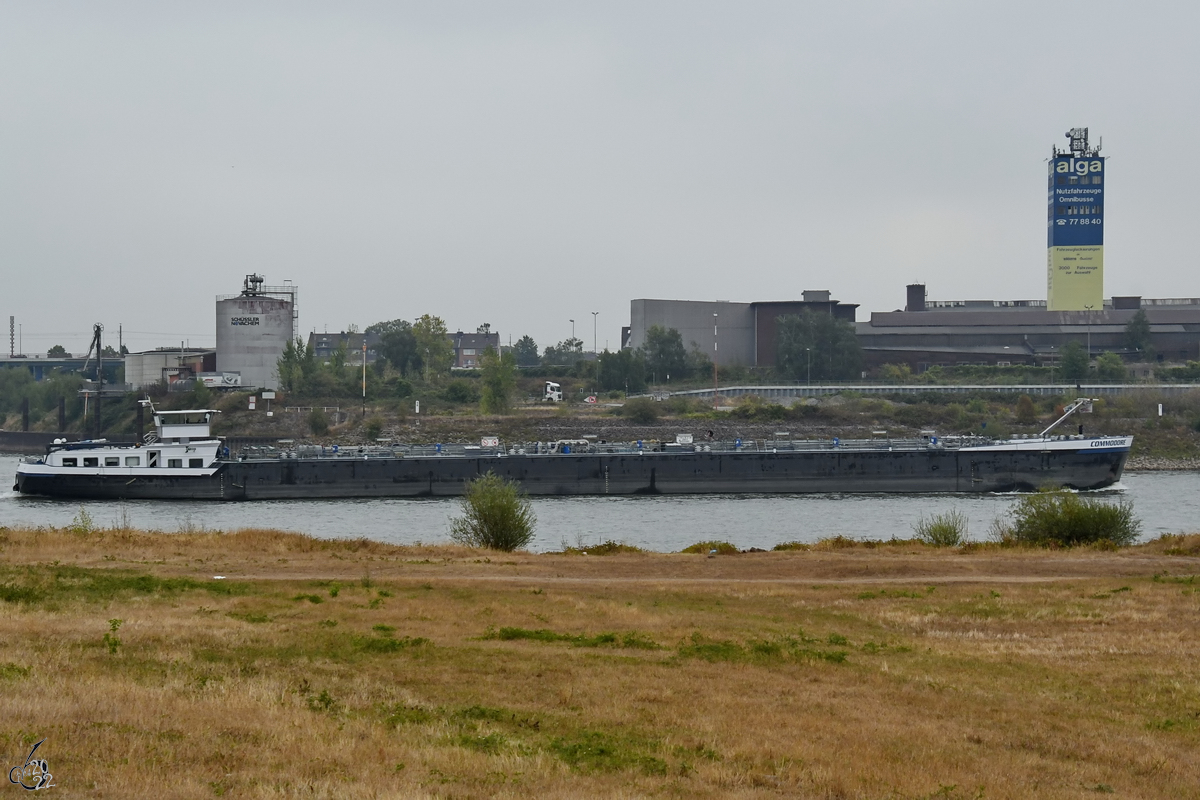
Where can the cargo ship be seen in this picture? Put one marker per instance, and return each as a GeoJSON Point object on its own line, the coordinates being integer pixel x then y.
{"type": "Point", "coordinates": [182, 460]}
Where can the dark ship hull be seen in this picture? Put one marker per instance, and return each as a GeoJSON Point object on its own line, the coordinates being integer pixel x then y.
{"type": "Point", "coordinates": [1002, 467]}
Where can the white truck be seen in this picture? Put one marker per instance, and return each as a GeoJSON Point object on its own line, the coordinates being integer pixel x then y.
{"type": "Point", "coordinates": [552, 392]}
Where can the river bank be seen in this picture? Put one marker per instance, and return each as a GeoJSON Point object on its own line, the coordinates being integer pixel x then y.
{"type": "Point", "coordinates": [352, 668]}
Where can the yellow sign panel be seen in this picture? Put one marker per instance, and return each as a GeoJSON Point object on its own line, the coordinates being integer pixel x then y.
{"type": "Point", "coordinates": [1076, 278]}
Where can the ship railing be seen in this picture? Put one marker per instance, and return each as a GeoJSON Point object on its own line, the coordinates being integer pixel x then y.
{"type": "Point", "coordinates": [645, 447]}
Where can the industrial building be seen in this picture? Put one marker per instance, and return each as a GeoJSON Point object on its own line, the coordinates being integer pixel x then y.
{"type": "Point", "coordinates": [736, 333]}
{"type": "Point", "coordinates": [1002, 332]}
{"type": "Point", "coordinates": [253, 328]}
{"type": "Point", "coordinates": [167, 365]}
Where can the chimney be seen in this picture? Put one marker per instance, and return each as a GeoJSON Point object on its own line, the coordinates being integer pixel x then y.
{"type": "Point", "coordinates": [916, 297]}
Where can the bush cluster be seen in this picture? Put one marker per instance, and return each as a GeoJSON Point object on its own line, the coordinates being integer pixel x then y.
{"type": "Point", "coordinates": [496, 515]}
{"type": "Point", "coordinates": [1061, 518]}
{"type": "Point", "coordinates": [943, 530]}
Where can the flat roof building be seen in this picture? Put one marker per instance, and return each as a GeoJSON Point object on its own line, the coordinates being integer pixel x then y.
{"type": "Point", "coordinates": [743, 333]}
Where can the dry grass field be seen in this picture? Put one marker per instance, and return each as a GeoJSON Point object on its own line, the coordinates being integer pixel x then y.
{"type": "Point", "coordinates": [357, 669]}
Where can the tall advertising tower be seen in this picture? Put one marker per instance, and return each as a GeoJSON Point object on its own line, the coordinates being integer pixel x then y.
{"type": "Point", "coordinates": [1075, 226]}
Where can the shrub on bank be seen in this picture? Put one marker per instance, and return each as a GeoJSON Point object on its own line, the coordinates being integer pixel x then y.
{"type": "Point", "coordinates": [1061, 518]}
{"type": "Point", "coordinates": [942, 530]}
{"type": "Point", "coordinates": [318, 423]}
{"type": "Point", "coordinates": [721, 548]}
{"type": "Point", "coordinates": [496, 515]}
{"type": "Point", "coordinates": [640, 409]}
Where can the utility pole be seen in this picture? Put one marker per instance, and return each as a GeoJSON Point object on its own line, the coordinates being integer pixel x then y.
{"type": "Point", "coordinates": [364, 382]}
{"type": "Point", "coordinates": [595, 314]}
{"type": "Point", "coordinates": [1089, 334]}
{"type": "Point", "coordinates": [808, 355]}
{"type": "Point", "coordinates": [572, 331]}
{"type": "Point", "coordinates": [714, 360]}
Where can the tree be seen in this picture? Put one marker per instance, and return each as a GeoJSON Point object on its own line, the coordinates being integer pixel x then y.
{"type": "Point", "coordinates": [697, 362]}
{"type": "Point", "coordinates": [566, 352]}
{"type": "Point", "coordinates": [398, 345]}
{"type": "Point", "coordinates": [110, 352]}
{"type": "Point", "coordinates": [526, 352]}
{"type": "Point", "coordinates": [58, 351]}
{"type": "Point", "coordinates": [499, 381]}
{"type": "Point", "coordinates": [665, 354]}
{"type": "Point", "coordinates": [818, 346]}
{"type": "Point", "coordinates": [433, 345]}
{"type": "Point", "coordinates": [621, 370]}
{"type": "Point", "coordinates": [1137, 334]}
{"type": "Point", "coordinates": [296, 367]}
{"type": "Point", "coordinates": [1110, 368]}
{"type": "Point", "coordinates": [1074, 362]}
{"type": "Point", "coordinates": [1026, 411]}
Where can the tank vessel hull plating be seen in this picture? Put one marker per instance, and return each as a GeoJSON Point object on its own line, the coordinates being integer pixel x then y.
{"type": "Point", "coordinates": [996, 469]}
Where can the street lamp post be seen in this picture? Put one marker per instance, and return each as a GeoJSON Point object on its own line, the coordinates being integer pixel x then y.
{"type": "Point", "coordinates": [714, 360]}
{"type": "Point", "coordinates": [808, 355]}
{"type": "Point", "coordinates": [572, 330]}
{"type": "Point", "coordinates": [595, 314]}
{"type": "Point", "coordinates": [1089, 334]}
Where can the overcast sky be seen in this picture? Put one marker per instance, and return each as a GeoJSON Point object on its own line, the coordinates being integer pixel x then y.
{"type": "Point", "coordinates": [526, 163]}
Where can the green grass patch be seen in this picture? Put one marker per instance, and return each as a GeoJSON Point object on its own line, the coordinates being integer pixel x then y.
{"type": "Point", "coordinates": [633, 639]}
{"type": "Point", "coordinates": [779, 649]}
{"type": "Point", "coordinates": [387, 644]}
{"type": "Point", "coordinates": [60, 583]}
{"type": "Point", "coordinates": [593, 751]}
{"type": "Point", "coordinates": [12, 672]}
{"type": "Point", "coordinates": [249, 616]}
{"type": "Point", "coordinates": [491, 743]}
{"type": "Point", "coordinates": [893, 593]}
{"type": "Point", "coordinates": [792, 546]}
{"type": "Point", "coordinates": [312, 598]}
{"type": "Point", "coordinates": [396, 716]}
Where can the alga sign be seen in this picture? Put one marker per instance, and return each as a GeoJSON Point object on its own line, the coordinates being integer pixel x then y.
{"type": "Point", "coordinates": [1075, 234]}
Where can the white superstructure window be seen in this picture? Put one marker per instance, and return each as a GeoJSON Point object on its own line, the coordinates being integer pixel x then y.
{"type": "Point", "coordinates": [133, 461]}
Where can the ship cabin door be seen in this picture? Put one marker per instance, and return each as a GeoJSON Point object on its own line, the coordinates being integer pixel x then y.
{"type": "Point", "coordinates": [152, 458]}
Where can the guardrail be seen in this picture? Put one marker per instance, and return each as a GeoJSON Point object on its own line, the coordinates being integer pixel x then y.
{"type": "Point", "coordinates": [1089, 389]}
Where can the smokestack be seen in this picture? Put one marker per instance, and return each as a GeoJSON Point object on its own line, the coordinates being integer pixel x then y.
{"type": "Point", "coordinates": [916, 297]}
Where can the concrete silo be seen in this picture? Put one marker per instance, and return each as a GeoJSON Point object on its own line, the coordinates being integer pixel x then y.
{"type": "Point", "coordinates": [252, 330]}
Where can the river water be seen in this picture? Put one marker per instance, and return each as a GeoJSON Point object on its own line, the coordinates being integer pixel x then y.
{"type": "Point", "coordinates": [1166, 502]}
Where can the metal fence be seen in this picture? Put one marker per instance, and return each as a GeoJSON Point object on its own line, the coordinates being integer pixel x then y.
{"type": "Point", "coordinates": [1055, 389]}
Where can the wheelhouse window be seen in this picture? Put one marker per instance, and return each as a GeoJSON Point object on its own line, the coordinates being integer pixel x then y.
{"type": "Point", "coordinates": [91, 462]}
{"type": "Point", "coordinates": [112, 461]}
{"type": "Point", "coordinates": [174, 462]}
{"type": "Point", "coordinates": [133, 461]}
{"type": "Point", "coordinates": [70, 462]}
{"type": "Point", "coordinates": [196, 463]}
